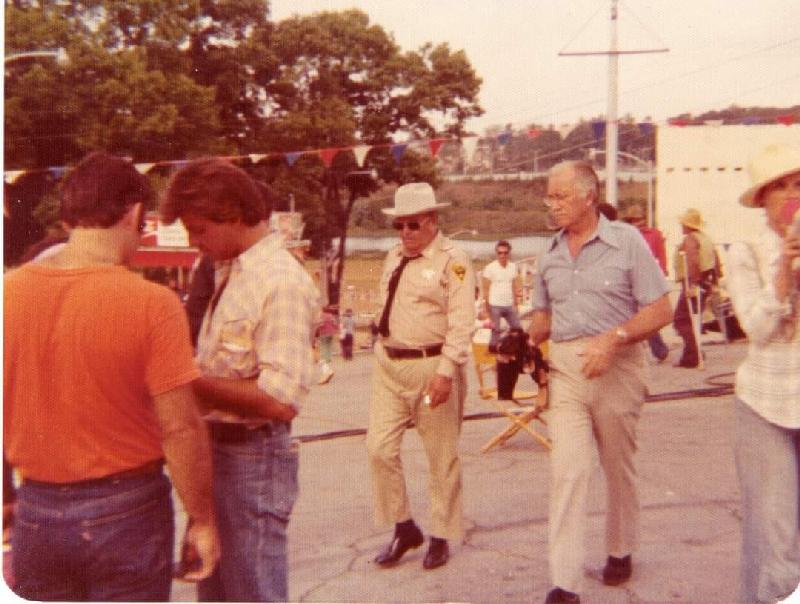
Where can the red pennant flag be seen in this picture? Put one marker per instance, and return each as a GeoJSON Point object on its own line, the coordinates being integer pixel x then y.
{"type": "Point", "coordinates": [327, 156]}
{"type": "Point", "coordinates": [534, 132]}
{"type": "Point", "coordinates": [678, 122]}
{"type": "Point", "coordinates": [786, 120]}
{"type": "Point", "coordinates": [435, 144]}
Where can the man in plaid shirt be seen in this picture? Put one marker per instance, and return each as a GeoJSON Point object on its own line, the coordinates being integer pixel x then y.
{"type": "Point", "coordinates": [255, 352]}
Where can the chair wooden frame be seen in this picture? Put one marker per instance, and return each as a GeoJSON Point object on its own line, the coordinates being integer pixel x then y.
{"type": "Point", "coordinates": [519, 414]}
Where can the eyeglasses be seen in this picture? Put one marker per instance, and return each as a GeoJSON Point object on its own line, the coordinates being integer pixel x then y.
{"type": "Point", "coordinates": [502, 253]}
{"type": "Point", "coordinates": [412, 225]}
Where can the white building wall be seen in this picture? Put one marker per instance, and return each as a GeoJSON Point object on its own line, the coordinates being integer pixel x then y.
{"type": "Point", "coordinates": [705, 167]}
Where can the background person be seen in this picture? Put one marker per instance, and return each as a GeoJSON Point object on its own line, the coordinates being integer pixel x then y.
{"type": "Point", "coordinates": [701, 262]}
{"type": "Point", "coordinates": [347, 332]}
{"type": "Point", "coordinates": [327, 328]}
{"type": "Point", "coordinates": [598, 292]}
{"type": "Point", "coordinates": [502, 287]}
{"type": "Point", "coordinates": [255, 353]}
{"type": "Point", "coordinates": [427, 287]}
{"type": "Point", "coordinates": [634, 215]}
{"type": "Point", "coordinates": [764, 288]}
{"type": "Point", "coordinates": [97, 396]}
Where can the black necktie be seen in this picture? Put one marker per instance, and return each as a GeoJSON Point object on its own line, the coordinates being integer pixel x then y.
{"type": "Point", "coordinates": [383, 324]}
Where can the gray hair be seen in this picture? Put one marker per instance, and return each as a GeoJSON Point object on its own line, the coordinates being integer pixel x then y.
{"type": "Point", "coordinates": [586, 180]}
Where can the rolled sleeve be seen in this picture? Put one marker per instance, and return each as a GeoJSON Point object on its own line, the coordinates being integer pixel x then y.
{"type": "Point", "coordinates": [283, 343]}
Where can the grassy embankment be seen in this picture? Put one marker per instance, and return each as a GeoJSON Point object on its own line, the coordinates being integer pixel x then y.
{"type": "Point", "coordinates": [495, 209]}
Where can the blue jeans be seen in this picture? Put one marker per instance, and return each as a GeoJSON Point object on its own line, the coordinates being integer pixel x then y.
{"type": "Point", "coordinates": [658, 346]}
{"type": "Point", "coordinates": [255, 487]}
{"type": "Point", "coordinates": [498, 312]}
{"type": "Point", "coordinates": [767, 461]}
{"type": "Point", "coordinates": [108, 540]}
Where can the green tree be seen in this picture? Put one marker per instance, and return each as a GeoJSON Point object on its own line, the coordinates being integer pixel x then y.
{"type": "Point", "coordinates": [342, 80]}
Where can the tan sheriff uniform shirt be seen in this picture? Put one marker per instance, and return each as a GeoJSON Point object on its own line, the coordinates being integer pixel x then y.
{"type": "Point", "coordinates": [434, 302]}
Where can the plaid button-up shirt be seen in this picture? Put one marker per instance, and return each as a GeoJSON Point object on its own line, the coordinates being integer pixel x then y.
{"type": "Point", "coordinates": [262, 325]}
{"type": "Point", "coordinates": [769, 378]}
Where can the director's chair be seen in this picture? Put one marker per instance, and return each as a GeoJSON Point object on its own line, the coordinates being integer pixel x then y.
{"type": "Point", "coordinates": [518, 413]}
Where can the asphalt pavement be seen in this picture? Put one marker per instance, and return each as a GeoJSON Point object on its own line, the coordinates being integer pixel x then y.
{"type": "Point", "coordinates": [690, 521]}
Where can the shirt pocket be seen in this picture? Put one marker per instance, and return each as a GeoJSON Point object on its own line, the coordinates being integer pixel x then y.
{"type": "Point", "coordinates": [611, 280]}
{"type": "Point", "coordinates": [236, 350]}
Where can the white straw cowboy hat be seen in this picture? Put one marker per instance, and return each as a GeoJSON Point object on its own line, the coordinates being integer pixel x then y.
{"type": "Point", "coordinates": [692, 219]}
{"type": "Point", "coordinates": [773, 163]}
{"type": "Point", "coordinates": [414, 198]}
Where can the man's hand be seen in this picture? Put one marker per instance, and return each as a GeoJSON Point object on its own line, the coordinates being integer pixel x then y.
{"type": "Point", "coordinates": [598, 354]}
{"type": "Point", "coordinates": [439, 389]}
{"type": "Point", "coordinates": [200, 551]}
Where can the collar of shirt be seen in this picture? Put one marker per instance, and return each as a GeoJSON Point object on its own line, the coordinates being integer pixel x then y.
{"type": "Point", "coordinates": [252, 257]}
{"type": "Point", "coordinates": [605, 231]}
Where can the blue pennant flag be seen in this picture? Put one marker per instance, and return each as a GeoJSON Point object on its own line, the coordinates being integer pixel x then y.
{"type": "Point", "coordinates": [598, 130]}
{"type": "Point", "coordinates": [398, 151]}
{"type": "Point", "coordinates": [292, 157]}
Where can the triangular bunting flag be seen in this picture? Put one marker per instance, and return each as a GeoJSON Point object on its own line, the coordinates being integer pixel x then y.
{"type": "Point", "coordinates": [398, 151]}
{"type": "Point", "coordinates": [57, 171]}
{"type": "Point", "coordinates": [360, 151]}
{"type": "Point", "coordinates": [256, 157]}
{"type": "Point", "coordinates": [143, 168]}
{"type": "Point", "coordinates": [646, 128]}
{"type": "Point", "coordinates": [503, 138]}
{"type": "Point", "coordinates": [677, 121]}
{"type": "Point", "coordinates": [435, 144]}
{"type": "Point", "coordinates": [534, 132]}
{"type": "Point", "coordinates": [11, 176]}
{"type": "Point", "coordinates": [292, 157]}
{"type": "Point", "coordinates": [749, 121]}
{"type": "Point", "coordinates": [327, 156]}
{"type": "Point", "coordinates": [470, 143]}
{"type": "Point", "coordinates": [564, 130]}
{"type": "Point", "coordinates": [786, 120]}
{"type": "Point", "coordinates": [598, 130]}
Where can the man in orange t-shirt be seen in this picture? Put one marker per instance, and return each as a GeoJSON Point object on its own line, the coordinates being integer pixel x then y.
{"type": "Point", "coordinates": [97, 385]}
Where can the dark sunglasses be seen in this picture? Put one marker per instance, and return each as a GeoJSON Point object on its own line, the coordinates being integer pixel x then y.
{"type": "Point", "coordinates": [412, 225]}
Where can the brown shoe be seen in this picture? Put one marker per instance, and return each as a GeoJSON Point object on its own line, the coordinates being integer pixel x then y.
{"type": "Point", "coordinates": [562, 596]}
{"type": "Point", "coordinates": [617, 570]}
{"type": "Point", "coordinates": [438, 554]}
{"type": "Point", "coordinates": [398, 546]}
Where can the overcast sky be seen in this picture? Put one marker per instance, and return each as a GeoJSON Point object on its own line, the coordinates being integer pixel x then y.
{"type": "Point", "coordinates": [721, 52]}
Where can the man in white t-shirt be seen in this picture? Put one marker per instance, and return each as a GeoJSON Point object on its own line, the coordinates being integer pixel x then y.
{"type": "Point", "coordinates": [502, 289]}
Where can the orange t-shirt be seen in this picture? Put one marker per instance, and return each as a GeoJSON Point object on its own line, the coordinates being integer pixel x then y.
{"type": "Point", "coordinates": [85, 351]}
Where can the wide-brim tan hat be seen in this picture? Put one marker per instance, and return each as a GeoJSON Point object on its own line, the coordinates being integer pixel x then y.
{"type": "Point", "coordinates": [414, 198]}
{"type": "Point", "coordinates": [692, 219]}
{"type": "Point", "coordinates": [773, 163]}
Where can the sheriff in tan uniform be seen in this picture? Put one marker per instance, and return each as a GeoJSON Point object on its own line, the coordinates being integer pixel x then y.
{"type": "Point", "coordinates": [428, 288]}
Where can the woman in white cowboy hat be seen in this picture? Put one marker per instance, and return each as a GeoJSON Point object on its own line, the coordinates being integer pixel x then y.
{"type": "Point", "coordinates": [763, 285]}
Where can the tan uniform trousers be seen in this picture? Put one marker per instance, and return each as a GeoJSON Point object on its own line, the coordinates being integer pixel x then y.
{"type": "Point", "coordinates": [397, 390]}
{"type": "Point", "coordinates": [602, 411]}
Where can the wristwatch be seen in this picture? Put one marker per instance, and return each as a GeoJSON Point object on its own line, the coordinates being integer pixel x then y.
{"type": "Point", "coordinates": [621, 334]}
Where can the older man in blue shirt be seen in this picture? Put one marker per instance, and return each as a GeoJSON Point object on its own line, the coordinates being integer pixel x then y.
{"type": "Point", "coordinates": [599, 293]}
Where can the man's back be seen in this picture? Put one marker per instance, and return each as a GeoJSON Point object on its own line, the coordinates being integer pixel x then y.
{"type": "Point", "coordinates": [86, 349]}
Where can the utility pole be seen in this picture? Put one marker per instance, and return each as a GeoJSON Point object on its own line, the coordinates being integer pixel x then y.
{"type": "Point", "coordinates": [612, 123]}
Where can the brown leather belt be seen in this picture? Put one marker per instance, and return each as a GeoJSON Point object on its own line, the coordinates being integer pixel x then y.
{"type": "Point", "coordinates": [413, 353]}
{"type": "Point", "coordinates": [153, 468]}
{"type": "Point", "coordinates": [229, 432]}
